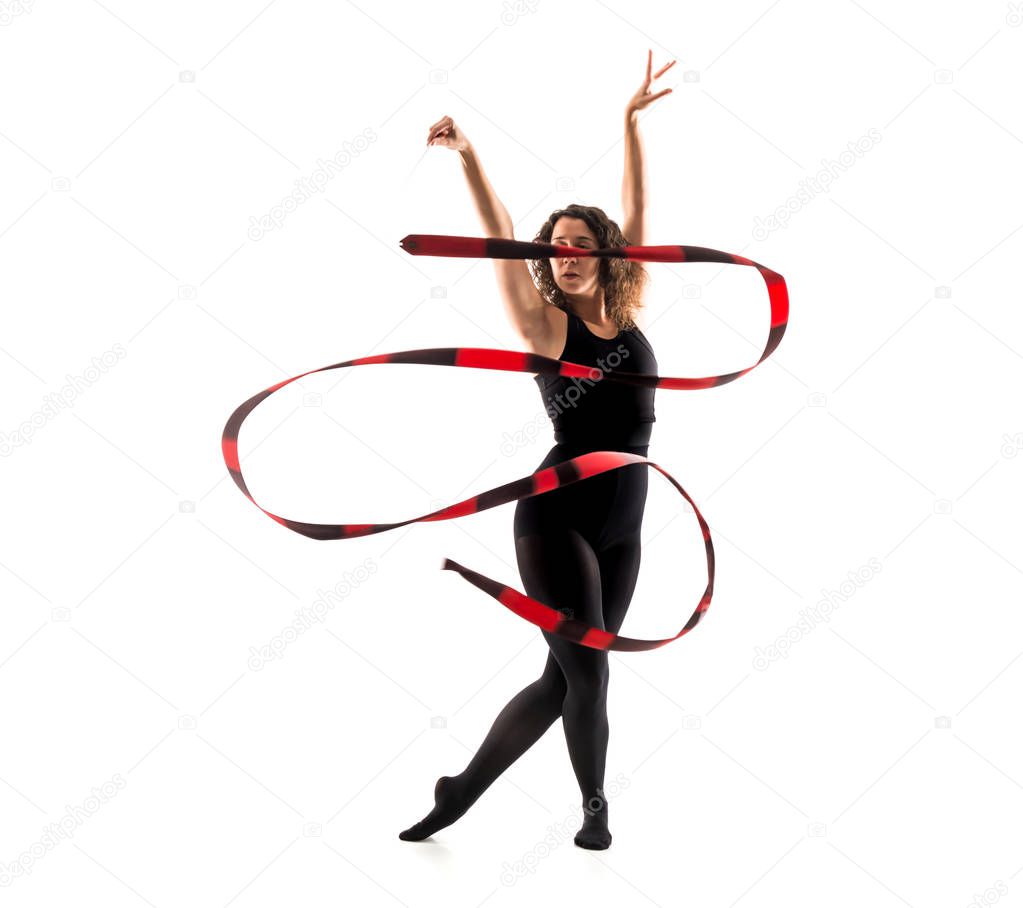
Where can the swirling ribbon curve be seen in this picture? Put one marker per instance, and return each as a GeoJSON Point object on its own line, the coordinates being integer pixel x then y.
{"type": "Point", "coordinates": [557, 476]}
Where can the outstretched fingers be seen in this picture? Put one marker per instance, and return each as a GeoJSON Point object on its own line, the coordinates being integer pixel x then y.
{"type": "Point", "coordinates": [664, 69]}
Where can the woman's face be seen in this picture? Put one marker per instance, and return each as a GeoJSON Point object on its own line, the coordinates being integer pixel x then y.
{"type": "Point", "coordinates": [575, 276]}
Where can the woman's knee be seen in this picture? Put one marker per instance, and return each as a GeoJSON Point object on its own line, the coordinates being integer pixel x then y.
{"type": "Point", "coordinates": [589, 680]}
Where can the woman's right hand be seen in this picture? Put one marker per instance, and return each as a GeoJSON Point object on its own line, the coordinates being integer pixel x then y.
{"type": "Point", "coordinates": [445, 132]}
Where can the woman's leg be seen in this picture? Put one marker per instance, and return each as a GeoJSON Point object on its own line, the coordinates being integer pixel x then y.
{"type": "Point", "coordinates": [559, 569]}
{"type": "Point", "coordinates": [517, 727]}
{"type": "Point", "coordinates": [571, 570]}
{"type": "Point", "coordinates": [619, 572]}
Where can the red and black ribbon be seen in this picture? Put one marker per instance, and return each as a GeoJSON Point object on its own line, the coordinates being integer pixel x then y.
{"type": "Point", "coordinates": [558, 475]}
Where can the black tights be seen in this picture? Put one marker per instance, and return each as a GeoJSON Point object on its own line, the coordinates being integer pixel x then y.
{"type": "Point", "coordinates": [561, 569]}
{"type": "Point", "coordinates": [578, 549]}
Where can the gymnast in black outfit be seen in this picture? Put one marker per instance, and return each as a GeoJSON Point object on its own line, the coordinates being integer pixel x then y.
{"type": "Point", "coordinates": [578, 547]}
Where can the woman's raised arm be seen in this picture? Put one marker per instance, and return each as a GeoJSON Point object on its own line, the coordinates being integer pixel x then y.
{"type": "Point", "coordinates": [634, 179]}
{"type": "Point", "coordinates": [526, 308]}
{"type": "Point", "coordinates": [493, 215]}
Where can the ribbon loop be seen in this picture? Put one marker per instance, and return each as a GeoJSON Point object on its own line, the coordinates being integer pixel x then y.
{"type": "Point", "coordinates": [557, 476]}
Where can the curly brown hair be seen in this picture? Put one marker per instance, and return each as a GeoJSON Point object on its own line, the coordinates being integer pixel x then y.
{"type": "Point", "coordinates": [622, 279]}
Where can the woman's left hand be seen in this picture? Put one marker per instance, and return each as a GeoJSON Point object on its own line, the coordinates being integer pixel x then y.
{"type": "Point", "coordinates": [643, 97]}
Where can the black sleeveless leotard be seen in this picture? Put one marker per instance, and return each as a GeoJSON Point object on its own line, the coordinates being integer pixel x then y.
{"type": "Point", "coordinates": [596, 415]}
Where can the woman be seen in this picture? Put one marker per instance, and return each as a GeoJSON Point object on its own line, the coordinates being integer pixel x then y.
{"type": "Point", "coordinates": [578, 547]}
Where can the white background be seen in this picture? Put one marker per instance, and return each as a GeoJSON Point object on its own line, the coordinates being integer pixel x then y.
{"type": "Point", "coordinates": [879, 761]}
